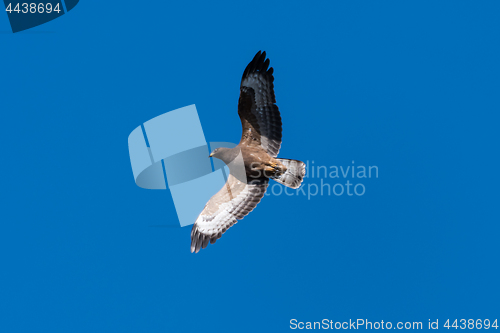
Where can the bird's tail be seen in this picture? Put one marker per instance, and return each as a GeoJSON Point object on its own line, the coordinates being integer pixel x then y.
{"type": "Point", "coordinates": [294, 174]}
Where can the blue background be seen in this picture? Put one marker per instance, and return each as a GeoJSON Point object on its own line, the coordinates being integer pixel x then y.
{"type": "Point", "coordinates": [412, 88]}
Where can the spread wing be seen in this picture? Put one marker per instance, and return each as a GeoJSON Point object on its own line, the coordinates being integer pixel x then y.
{"type": "Point", "coordinates": [259, 114]}
{"type": "Point", "coordinates": [261, 122]}
{"type": "Point", "coordinates": [233, 202]}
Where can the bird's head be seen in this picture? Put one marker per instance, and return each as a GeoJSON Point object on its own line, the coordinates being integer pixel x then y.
{"type": "Point", "coordinates": [220, 153]}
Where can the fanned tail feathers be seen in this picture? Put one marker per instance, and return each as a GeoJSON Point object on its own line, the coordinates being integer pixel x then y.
{"type": "Point", "coordinates": [294, 174]}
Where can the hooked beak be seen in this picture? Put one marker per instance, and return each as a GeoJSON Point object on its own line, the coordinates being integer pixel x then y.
{"type": "Point", "coordinates": [211, 154]}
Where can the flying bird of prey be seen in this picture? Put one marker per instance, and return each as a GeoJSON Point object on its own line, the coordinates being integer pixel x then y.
{"type": "Point", "coordinates": [252, 162]}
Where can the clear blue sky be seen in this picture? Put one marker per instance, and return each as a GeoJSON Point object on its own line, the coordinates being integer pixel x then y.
{"type": "Point", "coordinates": [411, 87]}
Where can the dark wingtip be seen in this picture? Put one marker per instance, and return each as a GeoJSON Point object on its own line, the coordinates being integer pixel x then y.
{"type": "Point", "coordinates": [259, 63]}
{"type": "Point", "coordinates": [257, 55]}
{"type": "Point", "coordinates": [266, 64]}
{"type": "Point", "coordinates": [205, 241]}
{"type": "Point", "coordinates": [195, 241]}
